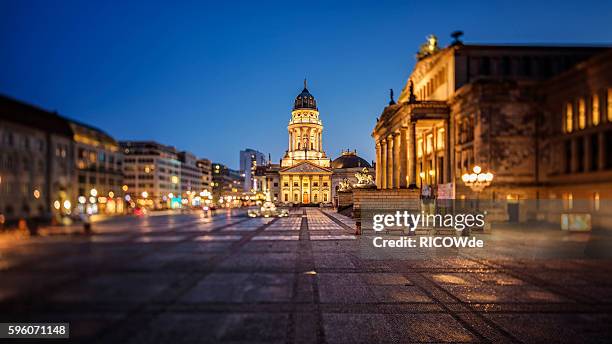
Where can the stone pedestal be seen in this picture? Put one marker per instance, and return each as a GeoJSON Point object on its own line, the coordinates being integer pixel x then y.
{"type": "Point", "coordinates": [367, 202]}
{"type": "Point", "coordinates": [345, 199]}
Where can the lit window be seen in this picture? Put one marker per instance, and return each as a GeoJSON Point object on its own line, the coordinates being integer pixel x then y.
{"type": "Point", "coordinates": [440, 139]}
{"type": "Point", "coordinates": [596, 201]}
{"type": "Point", "coordinates": [419, 148]}
{"type": "Point", "coordinates": [581, 113]}
{"type": "Point", "coordinates": [429, 143]}
{"type": "Point", "coordinates": [595, 114]}
{"type": "Point", "coordinates": [569, 118]}
{"type": "Point", "coordinates": [609, 104]}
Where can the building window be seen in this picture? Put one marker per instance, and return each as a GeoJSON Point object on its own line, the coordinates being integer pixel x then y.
{"type": "Point", "coordinates": [325, 184]}
{"type": "Point", "coordinates": [595, 112]}
{"type": "Point", "coordinates": [581, 113]}
{"type": "Point", "coordinates": [429, 147]}
{"type": "Point", "coordinates": [569, 118]}
{"type": "Point", "coordinates": [296, 184]}
{"type": "Point", "coordinates": [609, 104]}
{"type": "Point", "coordinates": [568, 201]}
{"type": "Point", "coordinates": [286, 198]}
{"type": "Point", "coordinates": [419, 148]}
{"type": "Point", "coordinates": [440, 139]}
{"type": "Point", "coordinates": [596, 201]}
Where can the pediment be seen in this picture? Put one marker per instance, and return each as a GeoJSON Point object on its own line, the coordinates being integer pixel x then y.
{"type": "Point", "coordinates": [306, 167]}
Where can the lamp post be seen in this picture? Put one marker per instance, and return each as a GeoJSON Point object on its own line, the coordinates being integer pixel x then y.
{"type": "Point", "coordinates": [477, 181]}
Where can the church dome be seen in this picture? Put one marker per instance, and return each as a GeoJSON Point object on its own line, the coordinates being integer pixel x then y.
{"type": "Point", "coordinates": [350, 159]}
{"type": "Point", "coordinates": [305, 100]}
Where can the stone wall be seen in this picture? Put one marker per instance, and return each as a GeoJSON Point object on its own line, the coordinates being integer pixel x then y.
{"type": "Point", "coordinates": [345, 199]}
{"type": "Point", "coordinates": [366, 202]}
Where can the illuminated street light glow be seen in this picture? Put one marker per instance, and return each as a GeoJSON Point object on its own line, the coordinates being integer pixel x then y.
{"type": "Point", "coordinates": [477, 181]}
{"type": "Point", "coordinates": [36, 194]}
{"type": "Point", "coordinates": [93, 192]}
{"type": "Point", "coordinates": [145, 194]}
{"type": "Point", "coordinates": [124, 188]}
{"type": "Point", "coordinates": [67, 205]}
{"type": "Point", "coordinates": [56, 205]}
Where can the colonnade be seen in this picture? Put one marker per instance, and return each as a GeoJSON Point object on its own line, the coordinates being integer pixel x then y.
{"type": "Point", "coordinates": [306, 138]}
{"type": "Point", "coordinates": [396, 158]}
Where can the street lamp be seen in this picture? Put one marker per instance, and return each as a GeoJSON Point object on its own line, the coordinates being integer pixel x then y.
{"type": "Point", "coordinates": [477, 181]}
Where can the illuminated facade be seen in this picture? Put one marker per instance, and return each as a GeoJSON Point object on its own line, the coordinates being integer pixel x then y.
{"type": "Point", "coordinates": [151, 174]}
{"type": "Point", "coordinates": [99, 171]}
{"type": "Point", "coordinates": [305, 170]}
{"type": "Point", "coordinates": [36, 162]}
{"type": "Point", "coordinates": [535, 116]}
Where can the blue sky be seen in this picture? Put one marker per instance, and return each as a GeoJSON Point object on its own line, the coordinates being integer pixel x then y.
{"type": "Point", "coordinates": [216, 77]}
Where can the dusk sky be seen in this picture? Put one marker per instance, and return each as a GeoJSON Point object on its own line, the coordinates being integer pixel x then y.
{"type": "Point", "coordinates": [214, 78]}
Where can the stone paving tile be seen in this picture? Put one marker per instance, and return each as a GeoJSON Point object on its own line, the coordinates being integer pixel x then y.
{"type": "Point", "coordinates": [358, 328]}
{"type": "Point", "coordinates": [556, 328]}
{"type": "Point", "coordinates": [503, 294]}
{"type": "Point", "coordinates": [271, 246]}
{"type": "Point", "coordinates": [331, 261]}
{"type": "Point", "coordinates": [241, 287]}
{"type": "Point", "coordinates": [213, 328]}
{"type": "Point", "coordinates": [283, 261]}
{"type": "Point", "coordinates": [429, 328]}
{"type": "Point", "coordinates": [124, 287]}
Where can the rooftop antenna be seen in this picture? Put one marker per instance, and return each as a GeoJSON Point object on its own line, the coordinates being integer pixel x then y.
{"type": "Point", "coordinates": [304, 83]}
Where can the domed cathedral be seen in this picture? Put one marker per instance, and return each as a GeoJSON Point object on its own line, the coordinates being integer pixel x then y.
{"type": "Point", "coordinates": [305, 171]}
{"type": "Point", "coordinates": [345, 167]}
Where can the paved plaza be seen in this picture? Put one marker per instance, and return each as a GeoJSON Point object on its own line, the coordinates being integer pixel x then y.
{"type": "Point", "coordinates": [303, 279]}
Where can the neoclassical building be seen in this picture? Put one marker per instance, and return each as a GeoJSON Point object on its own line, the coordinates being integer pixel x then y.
{"type": "Point", "coordinates": [304, 174]}
{"type": "Point", "coordinates": [535, 116]}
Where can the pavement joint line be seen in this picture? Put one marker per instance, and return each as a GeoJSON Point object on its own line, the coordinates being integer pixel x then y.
{"type": "Point", "coordinates": [306, 248]}
{"type": "Point", "coordinates": [417, 280]}
{"type": "Point", "coordinates": [468, 310]}
{"type": "Point", "coordinates": [342, 224]}
{"type": "Point", "coordinates": [555, 289]}
{"type": "Point", "coordinates": [122, 328]}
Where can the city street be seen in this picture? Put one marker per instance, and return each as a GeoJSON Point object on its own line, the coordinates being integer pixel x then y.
{"type": "Point", "coordinates": [301, 279]}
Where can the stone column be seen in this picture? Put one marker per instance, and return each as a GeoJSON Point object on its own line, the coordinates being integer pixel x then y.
{"type": "Point", "coordinates": [575, 162]}
{"type": "Point", "coordinates": [412, 156]}
{"type": "Point", "coordinates": [588, 154]}
{"type": "Point", "coordinates": [390, 162]}
{"type": "Point", "coordinates": [383, 163]}
{"type": "Point", "coordinates": [378, 167]}
{"type": "Point", "coordinates": [447, 152]}
{"type": "Point", "coordinates": [403, 158]}
{"type": "Point", "coordinates": [320, 140]}
{"type": "Point", "coordinates": [601, 159]}
{"type": "Point", "coordinates": [396, 160]}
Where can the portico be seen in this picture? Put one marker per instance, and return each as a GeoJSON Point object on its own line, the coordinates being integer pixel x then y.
{"type": "Point", "coordinates": [412, 145]}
